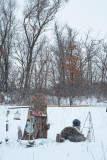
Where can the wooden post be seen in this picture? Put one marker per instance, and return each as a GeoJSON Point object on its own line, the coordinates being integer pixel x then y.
{"type": "Point", "coordinates": [34, 130]}
{"type": "Point", "coordinates": [30, 125]}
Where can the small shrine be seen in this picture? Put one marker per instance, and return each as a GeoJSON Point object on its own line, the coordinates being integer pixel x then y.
{"type": "Point", "coordinates": [36, 126]}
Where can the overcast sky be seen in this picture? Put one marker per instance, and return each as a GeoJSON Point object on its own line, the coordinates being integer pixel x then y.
{"type": "Point", "coordinates": [84, 15]}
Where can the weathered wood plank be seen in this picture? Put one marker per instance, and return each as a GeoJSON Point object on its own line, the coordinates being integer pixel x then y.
{"type": "Point", "coordinates": [75, 106]}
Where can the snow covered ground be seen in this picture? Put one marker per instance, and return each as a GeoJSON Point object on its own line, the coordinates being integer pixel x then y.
{"type": "Point", "coordinates": [58, 118]}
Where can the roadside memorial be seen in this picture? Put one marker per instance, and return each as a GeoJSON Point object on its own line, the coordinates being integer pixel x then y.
{"type": "Point", "coordinates": [36, 125]}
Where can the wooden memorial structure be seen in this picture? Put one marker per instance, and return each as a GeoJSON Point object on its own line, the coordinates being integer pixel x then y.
{"type": "Point", "coordinates": [36, 125]}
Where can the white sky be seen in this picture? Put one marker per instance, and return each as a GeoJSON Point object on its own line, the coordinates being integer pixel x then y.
{"type": "Point", "coordinates": [83, 15]}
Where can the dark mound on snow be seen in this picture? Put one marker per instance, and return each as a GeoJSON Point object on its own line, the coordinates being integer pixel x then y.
{"type": "Point", "coordinates": [72, 134]}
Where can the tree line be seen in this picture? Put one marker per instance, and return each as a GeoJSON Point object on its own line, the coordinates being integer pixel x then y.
{"type": "Point", "coordinates": [66, 65]}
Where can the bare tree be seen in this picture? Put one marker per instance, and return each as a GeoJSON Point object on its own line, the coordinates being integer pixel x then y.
{"type": "Point", "coordinates": [91, 49]}
{"type": "Point", "coordinates": [37, 15]}
{"type": "Point", "coordinates": [67, 62]}
{"type": "Point", "coordinates": [59, 51]}
{"type": "Point", "coordinates": [101, 63]}
{"type": "Point", "coordinates": [7, 32]}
